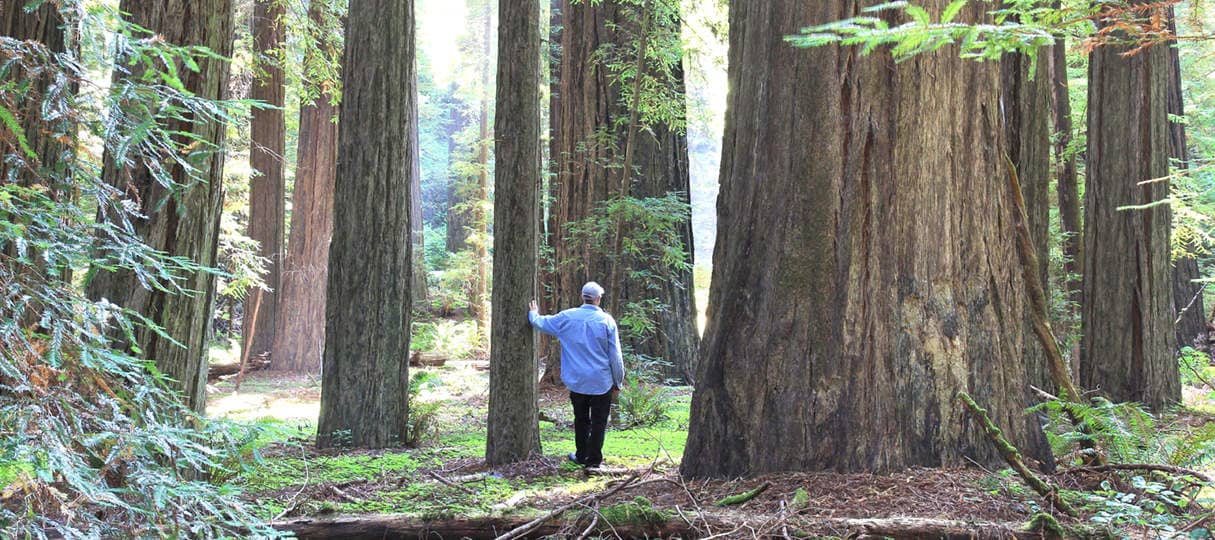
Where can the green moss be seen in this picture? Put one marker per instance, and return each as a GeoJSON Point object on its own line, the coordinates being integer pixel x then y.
{"type": "Point", "coordinates": [1046, 524]}
{"type": "Point", "coordinates": [639, 511]}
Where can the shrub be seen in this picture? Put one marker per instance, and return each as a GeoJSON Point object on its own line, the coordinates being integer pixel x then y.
{"type": "Point", "coordinates": [642, 404]}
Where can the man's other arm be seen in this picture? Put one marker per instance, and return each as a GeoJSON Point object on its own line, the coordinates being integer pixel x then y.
{"type": "Point", "coordinates": [615, 357]}
{"type": "Point", "coordinates": [547, 324]}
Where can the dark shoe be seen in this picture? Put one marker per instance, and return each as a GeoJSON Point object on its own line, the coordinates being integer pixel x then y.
{"type": "Point", "coordinates": [574, 457]}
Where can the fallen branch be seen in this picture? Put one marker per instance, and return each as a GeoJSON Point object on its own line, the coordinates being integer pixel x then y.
{"type": "Point", "coordinates": [1179, 471]}
{"type": "Point", "coordinates": [380, 527]}
{"type": "Point", "coordinates": [744, 496]}
{"type": "Point", "coordinates": [449, 483]}
{"type": "Point", "coordinates": [1013, 456]}
{"type": "Point", "coordinates": [1039, 315]}
{"type": "Point", "coordinates": [216, 372]}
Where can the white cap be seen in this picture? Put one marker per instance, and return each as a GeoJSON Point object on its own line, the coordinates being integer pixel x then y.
{"type": "Point", "coordinates": [592, 290]}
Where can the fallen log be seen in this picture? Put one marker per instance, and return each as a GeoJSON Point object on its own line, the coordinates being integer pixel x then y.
{"type": "Point", "coordinates": [216, 371]}
{"type": "Point", "coordinates": [388, 527]}
{"type": "Point", "coordinates": [425, 359]}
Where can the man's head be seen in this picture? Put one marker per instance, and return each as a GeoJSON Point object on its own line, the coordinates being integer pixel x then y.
{"type": "Point", "coordinates": [592, 293]}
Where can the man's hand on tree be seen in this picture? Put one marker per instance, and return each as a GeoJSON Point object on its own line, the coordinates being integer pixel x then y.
{"type": "Point", "coordinates": [532, 306]}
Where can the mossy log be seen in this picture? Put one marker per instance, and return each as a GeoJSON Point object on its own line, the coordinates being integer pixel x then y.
{"type": "Point", "coordinates": [387, 527]}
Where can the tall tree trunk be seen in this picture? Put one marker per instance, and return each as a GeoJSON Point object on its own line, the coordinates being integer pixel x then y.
{"type": "Point", "coordinates": [1187, 295]}
{"type": "Point", "coordinates": [858, 282]}
{"type": "Point", "coordinates": [480, 310]}
{"type": "Point", "coordinates": [299, 339]}
{"type": "Point", "coordinates": [1067, 188]}
{"type": "Point", "coordinates": [513, 430]}
{"type": "Point", "coordinates": [1127, 348]}
{"type": "Point", "coordinates": [267, 146]}
{"type": "Point", "coordinates": [418, 233]}
{"type": "Point", "coordinates": [590, 105]}
{"type": "Point", "coordinates": [45, 26]}
{"type": "Point", "coordinates": [365, 375]}
{"type": "Point", "coordinates": [548, 348]}
{"type": "Point", "coordinates": [184, 222]}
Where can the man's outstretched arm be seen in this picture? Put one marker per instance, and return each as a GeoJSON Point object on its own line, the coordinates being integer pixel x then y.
{"type": "Point", "coordinates": [541, 322]}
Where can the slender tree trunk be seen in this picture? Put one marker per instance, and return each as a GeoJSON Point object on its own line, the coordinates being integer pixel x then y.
{"type": "Point", "coordinates": [457, 217]}
{"type": "Point", "coordinates": [299, 339]}
{"type": "Point", "coordinates": [185, 222]}
{"type": "Point", "coordinates": [480, 219]}
{"type": "Point", "coordinates": [1187, 296]}
{"type": "Point", "coordinates": [1127, 348]}
{"type": "Point", "coordinates": [590, 105]}
{"type": "Point", "coordinates": [365, 375]}
{"type": "Point", "coordinates": [513, 431]}
{"type": "Point", "coordinates": [415, 210]}
{"type": "Point", "coordinates": [1067, 188]}
{"type": "Point", "coordinates": [549, 348]}
{"type": "Point", "coordinates": [848, 309]}
{"type": "Point", "coordinates": [267, 146]}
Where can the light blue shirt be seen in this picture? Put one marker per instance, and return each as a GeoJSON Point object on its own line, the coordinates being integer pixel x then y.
{"type": "Point", "coordinates": [591, 362]}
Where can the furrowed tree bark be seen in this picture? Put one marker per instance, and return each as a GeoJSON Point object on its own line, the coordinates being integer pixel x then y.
{"type": "Point", "coordinates": [365, 376]}
{"type": "Point", "coordinates": [1026, 97]}
{"type": "Point", "coordinates": [836, 287]}
{"type": "Point", "coordinates": [1187, 296]}
{"type": "Point", "coordinates": [267, 147]}
{"type": "Point", "coordinates": [1127, 317]}
{"type": "Point", "coordinates": [299, 339]}
{"type": "Point", "coordinates": [590, 107]}
{"type": "Point", "coordinates": [44, 26]}
{"type": "Point", "coordinates": [513, 427]}
{"type": "Point", "coordinates": [183, 223]}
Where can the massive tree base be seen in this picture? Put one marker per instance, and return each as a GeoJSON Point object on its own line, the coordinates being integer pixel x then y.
{"type": "Point", "coordinates": [388, 527]}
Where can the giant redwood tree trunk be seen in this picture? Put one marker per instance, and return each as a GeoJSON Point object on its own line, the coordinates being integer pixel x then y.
{"type": "Point", "coordinates": [365, 378]}
{"type": "Point", "coordinates": [858, 281]}
{"type": "Point", "coordinates": [299, 336]}
{"type": "Point", "coordinates": [1127, 317]}
{"type": "Point", "coordinates": [267, 146]}
{"type": "Point", "coordinates": [183, 223]}
{"type": "Point", "coordinates": [587, 175]}
{"type": "Point", "coordinates": [513, 427]}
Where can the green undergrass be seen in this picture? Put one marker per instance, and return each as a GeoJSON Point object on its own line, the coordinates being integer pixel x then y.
{"type": "Point", "coordinates": [420, 496]}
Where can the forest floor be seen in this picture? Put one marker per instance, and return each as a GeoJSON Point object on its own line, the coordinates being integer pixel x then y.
{"type": "Point", "coordinates": [444, 488]}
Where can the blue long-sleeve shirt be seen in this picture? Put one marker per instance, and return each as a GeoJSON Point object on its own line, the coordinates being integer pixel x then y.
{"type": "Point", "coordinates": [591, 362]}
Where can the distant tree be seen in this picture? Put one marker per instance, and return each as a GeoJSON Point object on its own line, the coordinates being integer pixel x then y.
{"type": "Point", "coordinates": [858, 282]}
{"type": "Point", "coordinates": [182, 218]}
{"type": "Point", "coordinates": [299, 339]}
{"type": "Point", "coordinates": [1187, 295]}
{"type": "Point", "coordinates": [365, 375]}
{"type": "Point", "coordinates": [480, 217]}
{"type": "Point", "coordinates": [513, 428]}
{"type": "Point", "coordinates": [418, 226]}
{"type": "Point", "coordinates": [600, 45]}
{"type": "Point", "coordinates": [1067, 183]}
{"type": "Point", "coordinates": [1127, 317]}
{"type": "Point", "coordinates": [267, 190]}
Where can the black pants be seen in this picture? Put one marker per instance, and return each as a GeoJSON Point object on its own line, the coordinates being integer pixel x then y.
{"type": "Point", "coordinates": [590, 422]}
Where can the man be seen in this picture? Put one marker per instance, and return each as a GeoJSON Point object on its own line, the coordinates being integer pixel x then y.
{"type": "Point", "coordinates": [592, 367]}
